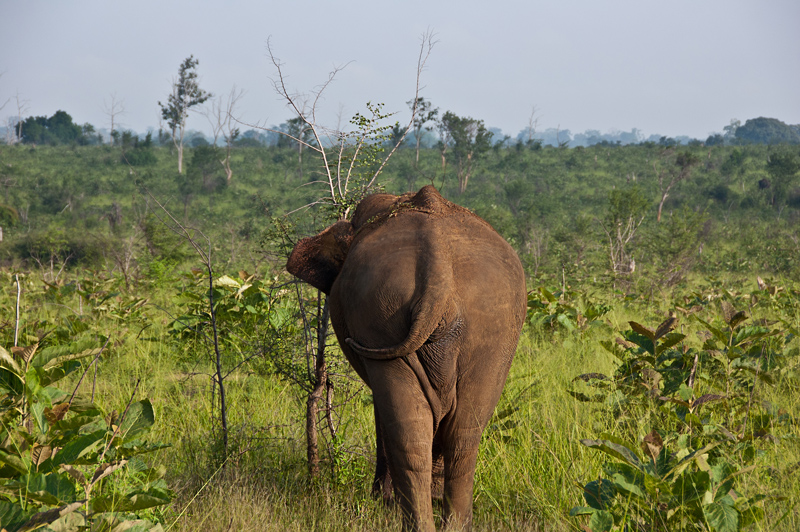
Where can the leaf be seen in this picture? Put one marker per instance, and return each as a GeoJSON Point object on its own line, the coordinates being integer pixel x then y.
{"type": "Point", "coordinates": [599, 493]}
{"type": "Point", "coordinates": [630, 481]}
{"type": "Point", "coordinates": [49, 516]}
{"type": "Point", "coordinates": [728, 311]}
{"type": "Point", "coordinates": [106, 469]}
{"type": "Point", "coordinates": [749, 333]}
{"type": "Point", "coordinates": [695, 456]}
{"type": "Point", "coordinates": [226, 282]}
{"type": "Point", "coordinates": [641, 329]}
{"type": "Point", "coordinates": [132, 502]}
{"type": "Point", "coordinates": [707, 398]}
{"type": "Point", "coordinates": [565, 322]}
{"type": "Point", "coordinates": [547, 294]}
{"type": "Point", "coordinates": [139, 418]}
{"type": "Point", "coordinates": [652, 445]}
{"type": "Point", "coordinates": [25, 353]}
{"type": "Point", "coordinates": [691, 486]}
{"type": "Point", "coordinates": [12, 515]}
{"type": "Point", "coordinates": [665, 327]}
{"type": "Point", "coordinates": [8, 362]}
{"type": "Point", "coordinates": [722, 517]}
{"type": "Point", "coordinates": [76, 475]}
{"type": "Point", "coordinates": [614, 449]}
{"type": "Point", "coordinates": [51, 488]}
{"type": "Point", "coordinates": [670, 340]}
{"type": "Point", "coordinates": [738, 318]}
{"type": "Point", "coordinates": [79, 447]}
{"type": "Point", "coordinates": [586, 377]}
{"type": "Point", "coordinates": [40, 453]}
{"type": "Point", "coordinates": [718, 334]}
{"type": "Point", "coordinates": [581, 510]}
{"type": "Point", "coordinates": [19, 464]}
{"type": "Point", "coordinates": [56, 361]}
{"type": "Point", "coordinates": [56, 413]}
{"type": "Point", "coordinates": [37, 412]}
{"type": "Point", "coordinates": [601, 521]}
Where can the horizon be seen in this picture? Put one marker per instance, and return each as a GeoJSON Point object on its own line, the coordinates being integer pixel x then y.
{"type": "Point", "coordinates": [682, 70]}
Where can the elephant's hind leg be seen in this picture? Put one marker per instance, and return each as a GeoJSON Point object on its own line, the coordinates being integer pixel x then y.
{"type": "Point", "coordinates": [407, 424]}
{"type": "Point", "coordinates": [460, 458]}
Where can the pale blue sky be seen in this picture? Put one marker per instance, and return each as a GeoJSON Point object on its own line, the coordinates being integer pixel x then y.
{"type": "Point", "coordinates": [672, 68]}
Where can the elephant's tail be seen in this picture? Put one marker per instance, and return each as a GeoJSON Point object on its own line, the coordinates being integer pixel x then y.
{"type": "Point", "coordinates": [434, 315]}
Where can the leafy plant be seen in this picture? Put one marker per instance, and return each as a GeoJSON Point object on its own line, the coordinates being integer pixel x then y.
{"type": "Point", "coordinates": [706, 425]}
{"type": "Point", "coordinates": [64, 462]}
{"type": "Point", "coordinates": [568, 310]}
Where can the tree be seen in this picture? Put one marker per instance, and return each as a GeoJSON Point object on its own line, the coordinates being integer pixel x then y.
{"type": "Point", "coordinates": [351, 162]}
{"type": "Point", "coordinates": [296, 134]}
{"type": "Point", "coordinates": [113, 110]}
{"type": "Point", "coordinates": [223, 123]}
{"type": "Point", "coordinates": [626, 211]}
{"type": "Point", "coordinates": [767, 131]}
{"type": "Point", "coordinates": [470, 140]}
{"type": "Point", "coordinates": [783, 166]}
{"type": "Point", "coordinates": [58, 129]}
{"type": "Point", "coordinates": [529, 133]}
{"type": "Point", "coordinates": [673, 174]}
{"type": "Point", "coordinates": [186, 93]}
{"type": "Point", "coordinates": [22, 107]}
{"type": "Point", "coordinates": [729, 131]}
{"type": "Point", "coordinates": [425, 114]}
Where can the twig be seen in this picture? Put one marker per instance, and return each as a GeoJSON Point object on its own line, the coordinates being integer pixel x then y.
{"type": "Point", "coordinates": [85, 371]}
{"type": "Point", "coordinates": [121, 420]}
{"type": "Point", "coordinates": [752, 392]}
{"type": "Point", "coordinates": [16, 325]}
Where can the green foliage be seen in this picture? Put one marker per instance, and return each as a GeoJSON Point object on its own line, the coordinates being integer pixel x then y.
{"type": "Point", "coordinates": [186, 94]}
{"type": "Point", "coordinates": [253, 320]}
{"type": "Point", "coordinates": [470, 140]}
{"type": "Point", "coordinates": [57, 129]}
{"type": "Point", "coordinates": [671, 247]}
{"type": "Point", "coordinates": [570, 311]}
{"type": "Point", "coordinates": [706, 419]}
{"type": "Point", "coordinates": [65, 463]}
{"type": "Point", "coordinates": [766, 131]}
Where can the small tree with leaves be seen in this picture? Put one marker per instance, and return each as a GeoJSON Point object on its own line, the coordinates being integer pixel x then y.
{"type": "Point", "coordinates": [425, 114]}
{"type": "Point", "coordinates": [223, 123]}
{"type": "Point", "coordinates": [674, 168]}
{"type": "Point", "coordinates": [186, 93]}
{"type": "Point", "coordinates": [626, 211]}
{"type": "Point", "coordinates": [351, 162]}
{"type": "Point", "coordinates": [470, 139]}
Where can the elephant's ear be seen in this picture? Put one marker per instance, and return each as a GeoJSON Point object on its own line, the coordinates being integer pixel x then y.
{"type": "Point", "coordinates": [318, 260]}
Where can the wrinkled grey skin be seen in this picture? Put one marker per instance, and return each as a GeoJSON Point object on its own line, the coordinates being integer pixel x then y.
{"type": "Point", "coordinates": [427, 302]}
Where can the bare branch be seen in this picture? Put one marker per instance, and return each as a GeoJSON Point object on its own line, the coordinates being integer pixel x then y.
{"type": "Point", "coordinates": [426, 47]}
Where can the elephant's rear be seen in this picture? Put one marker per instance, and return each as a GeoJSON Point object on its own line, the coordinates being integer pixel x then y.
{"type": "Point", "coordinates": [492, 301]}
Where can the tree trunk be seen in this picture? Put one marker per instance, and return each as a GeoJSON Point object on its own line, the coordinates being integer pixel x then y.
{"type": "Point", "coordinates": [317, 393]}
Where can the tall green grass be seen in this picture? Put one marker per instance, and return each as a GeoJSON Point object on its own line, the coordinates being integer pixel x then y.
{"type": "Point", "coordinates": [530, 468]}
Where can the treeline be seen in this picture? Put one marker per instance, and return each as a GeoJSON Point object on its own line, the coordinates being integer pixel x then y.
{"type": "Point", "coordinates": [60, 129]}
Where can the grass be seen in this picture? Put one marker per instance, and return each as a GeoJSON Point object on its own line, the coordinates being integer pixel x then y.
{"type": "Point", "coordinates": [530, 467]}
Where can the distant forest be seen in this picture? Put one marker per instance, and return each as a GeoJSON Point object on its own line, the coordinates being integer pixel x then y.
{"type": "Point", "coordinates": [60, 129]}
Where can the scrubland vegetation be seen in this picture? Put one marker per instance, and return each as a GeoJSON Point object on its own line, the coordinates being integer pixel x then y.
{"type": "Point", "coordinates": [655, 385]}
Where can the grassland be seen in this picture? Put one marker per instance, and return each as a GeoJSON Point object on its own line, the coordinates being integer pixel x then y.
{"type": "Point", "coordinates": [532, 464]}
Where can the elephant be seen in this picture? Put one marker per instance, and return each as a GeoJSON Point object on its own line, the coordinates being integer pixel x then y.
{"type": "Point", "coordinates": [427, 302]}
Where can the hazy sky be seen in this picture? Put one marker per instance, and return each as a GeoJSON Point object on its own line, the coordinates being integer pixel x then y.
{"type": "Point", "coordinates": [673, 68]}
